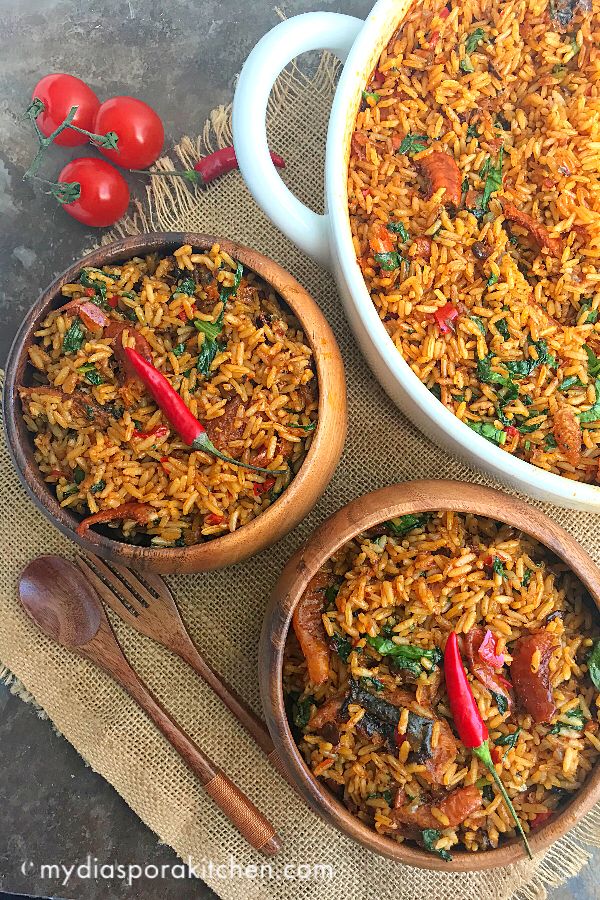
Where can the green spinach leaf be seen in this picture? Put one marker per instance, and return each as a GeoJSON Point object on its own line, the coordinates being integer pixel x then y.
{"type": "Point", "coordinates": [501, 701]}
{"type": "Point", "coordinates": [413, 143]}
{"type": "Point", "coordinates": [388, 261]}
{"type": "Point", "coordinates": [73, 339]}
{"type": "Point", "coordinates": [403, 524]}
{"type": "Point", "coordinates": [489, 431]}
{"type": "Point", "coordinates": [430, 838]}
{"type": "Point", "coordinates": [593, 663]}
{"type": "Point", "coordinates": [399, 228]}
{"type": "Point", "coordinates": [593, 413]}
{"type": "Point", "coordinates": [491, 173]}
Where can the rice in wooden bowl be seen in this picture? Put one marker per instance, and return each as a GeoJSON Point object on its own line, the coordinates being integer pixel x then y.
{"type": "Point", "coordinates": [352, 673]}
{"type": "Point", "coordinates": [235, 337]}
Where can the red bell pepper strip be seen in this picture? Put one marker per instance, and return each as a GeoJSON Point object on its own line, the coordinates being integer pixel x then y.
{"type": "Point", "coordinates": [187, 426]}
{"type": "Point", "coordinates": [159, 432]}
{"type": "Point", "coordinates": [471, 728]}
{"type": "Point", "coordinates": [445, 316]}
{"type": "Point", "coordinates": [487, 651]}
{"type": "Point", "coordinates": [214, 519]}
{"type": "Point", "coordinates": [263, 487]}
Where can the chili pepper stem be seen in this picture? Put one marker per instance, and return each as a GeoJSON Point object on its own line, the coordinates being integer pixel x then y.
{"type": "Point", "coordinates": [188, 174]}
{"type": "Point", "coordinates": [483, 753]}
{"type": "Point", "coordinates": [203, 443]}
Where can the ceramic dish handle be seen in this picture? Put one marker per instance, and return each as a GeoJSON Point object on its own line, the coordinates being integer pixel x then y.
{"type": "Point", "coordinates": [311, 31]}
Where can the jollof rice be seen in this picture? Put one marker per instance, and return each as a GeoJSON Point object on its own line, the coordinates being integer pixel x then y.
{"type": "Point", "coordinates": [474, 199]}
{"type": "Point", "coordinates": [243, 367]}
{"type": "Point", "coordinates": [366, 694]}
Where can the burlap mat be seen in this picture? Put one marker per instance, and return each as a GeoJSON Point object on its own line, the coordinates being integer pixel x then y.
{"type": "Point", "coordinates": [224, 610]}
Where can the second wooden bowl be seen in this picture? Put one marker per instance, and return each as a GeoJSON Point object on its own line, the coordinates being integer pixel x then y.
{"type": "Point", "coordinates": [363, 513]}
{"type": "Point", "coordinates": [295, 502]}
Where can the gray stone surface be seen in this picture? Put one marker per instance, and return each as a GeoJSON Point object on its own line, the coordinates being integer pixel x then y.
{"type": "Point", "coordinates": [181, 56]}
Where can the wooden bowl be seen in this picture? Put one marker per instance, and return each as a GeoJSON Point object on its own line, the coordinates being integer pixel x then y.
{"type": "Point", "coordinates": [295, 502]}
{"type": "Point", "coordinates": [360, 514]}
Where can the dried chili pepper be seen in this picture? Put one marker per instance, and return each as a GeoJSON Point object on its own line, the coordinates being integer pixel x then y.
{"type": "Point", "coordinates": [209, 167]}
{"type": "Point", "coordinates": [471, 728]}
{"type": "Point", "coordinates": [187, 426]}
{"type": "Point", "coordinates": [222, 161]}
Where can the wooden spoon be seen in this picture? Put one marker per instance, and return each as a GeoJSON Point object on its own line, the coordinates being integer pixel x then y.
{"type": "Point", "coordinates": [61, 602]}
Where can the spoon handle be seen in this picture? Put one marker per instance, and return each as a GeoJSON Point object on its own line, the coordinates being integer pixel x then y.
{"type": "Point", "coordinates": [238, 808]}
{"type": "Point", "coordinates": [255, 727]}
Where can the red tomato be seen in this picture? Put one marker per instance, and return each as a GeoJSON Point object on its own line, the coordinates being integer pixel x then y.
{"type": "Point", "coordinates": [59, 93]}
{"type": "Point", "coordinates": [139, 129]}
{"type": "Point", "coordinates": [104, 192]}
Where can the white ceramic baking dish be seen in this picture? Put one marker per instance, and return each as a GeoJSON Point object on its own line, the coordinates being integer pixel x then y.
{"type": "Point", "coordinates": [327, 238]}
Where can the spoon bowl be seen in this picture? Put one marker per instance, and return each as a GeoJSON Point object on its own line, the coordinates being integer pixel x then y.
{"type": "Point", "coordinates": [60, 601]}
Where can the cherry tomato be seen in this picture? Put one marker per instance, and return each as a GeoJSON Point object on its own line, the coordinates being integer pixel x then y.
{"type": "Point", "coordinates": [104, 192]}
{"type": "Point", "coordinates": [59, 93]}
{"type": "Point", "coordinates": [139, 129]}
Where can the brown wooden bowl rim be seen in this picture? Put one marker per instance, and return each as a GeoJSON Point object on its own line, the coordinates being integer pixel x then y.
{"type": "Point", "coordinates": [328, 365]}
{"type": "Point", "coordinates": [362, 513]}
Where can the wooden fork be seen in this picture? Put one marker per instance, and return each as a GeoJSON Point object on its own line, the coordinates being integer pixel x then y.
{"type": "Point", "coordinates": [145, 602]}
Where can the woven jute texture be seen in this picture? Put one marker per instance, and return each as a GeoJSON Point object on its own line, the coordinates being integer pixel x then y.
{"type": "Point", "coordinates": [224, 610]}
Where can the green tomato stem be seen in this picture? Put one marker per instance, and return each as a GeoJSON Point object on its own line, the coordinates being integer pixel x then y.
{"type": "Point", "coordinates": [483, 753]}
{"type": "Point", "coordinates": [109, 141]}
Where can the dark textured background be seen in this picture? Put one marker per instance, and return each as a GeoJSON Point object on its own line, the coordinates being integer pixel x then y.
{"type": "Point", "coordinates": [182, 57]}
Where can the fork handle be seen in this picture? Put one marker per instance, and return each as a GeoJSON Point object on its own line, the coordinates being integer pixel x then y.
{"type": "Point", "coordinates": [255, 727]}
{"type": "Point", "coordinates": [238, 808]}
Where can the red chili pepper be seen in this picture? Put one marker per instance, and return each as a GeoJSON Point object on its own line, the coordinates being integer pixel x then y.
{"type": "Point", "coordinates": [214, 519]}
{"type": "Point", "coordinates": [222, 161]}
{"type": "Point", "coordinates": [159, 432]}
{"type": "Point", "coordinates": [445, 316]}
{"type": "Point", "coordinates": [487, 651]}
{"type": "Point", "coordinates": [471, 728]}
{"type": "Point", "coordinates": [187, 426]}
{"type": "Point", "coordinates": [265, 486]}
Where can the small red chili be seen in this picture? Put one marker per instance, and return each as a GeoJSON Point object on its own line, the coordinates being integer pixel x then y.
{"type": "Point", "coordinates": [487, 651]}
{"type": "Point", "coordinates": [445, 317]}
{"type": "Point", "coordinates": [214, 519]}
{"type": "Point", "coordinates": [471, 728]}
{"type": "Point", "coordinates": [160, 431]}
{"type": "Point", "coordinates": [222, 161]}
{"type": "Point", "coordinates": [263, 487]}
{"type": "Point", "coordinates": [190, 430]}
